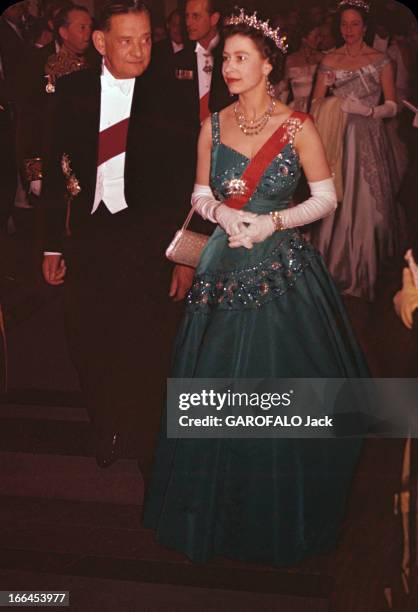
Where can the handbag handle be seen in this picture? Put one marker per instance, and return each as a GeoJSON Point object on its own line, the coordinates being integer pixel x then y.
{"type": "Point", "coordinates": [189, 217]}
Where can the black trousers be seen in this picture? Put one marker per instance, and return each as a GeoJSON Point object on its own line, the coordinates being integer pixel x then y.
{"type": "Point", "coordinates": [116, 307]}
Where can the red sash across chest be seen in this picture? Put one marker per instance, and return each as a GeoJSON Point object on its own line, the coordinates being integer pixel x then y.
{"type": "Point", "coordinates": [112, 141]}
{"type": "Point", "coordinates": [263, 158]}
{"type": "Point", "coordinates": [204, 107]}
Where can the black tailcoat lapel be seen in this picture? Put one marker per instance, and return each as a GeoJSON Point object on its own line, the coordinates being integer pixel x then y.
{"type": "Point", "coordinates": [89, 108]}
{"type": "Point", "coordinates": [185, 87]}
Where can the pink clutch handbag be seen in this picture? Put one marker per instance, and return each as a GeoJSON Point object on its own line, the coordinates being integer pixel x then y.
{"type": "Point", "coordinates": [186, 246]}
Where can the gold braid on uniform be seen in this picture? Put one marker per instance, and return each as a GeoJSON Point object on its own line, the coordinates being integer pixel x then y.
{"type": "Point", "coordinates": [58, 64]}
{"type": "Point", "coordinates": [64, 62]}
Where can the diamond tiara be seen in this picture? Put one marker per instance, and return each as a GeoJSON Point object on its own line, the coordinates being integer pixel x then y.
{"type": "Point", "coordinates": [262, 26]}
{"type": "Point", "coordinates": [361, 4]}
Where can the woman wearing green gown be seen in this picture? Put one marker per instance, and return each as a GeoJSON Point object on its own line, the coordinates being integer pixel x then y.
{"type": "Point", "coordinates": [262, 305]}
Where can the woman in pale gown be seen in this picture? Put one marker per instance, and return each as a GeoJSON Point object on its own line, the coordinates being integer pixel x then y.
{"type": "Point", "coordinates": [401, 55]}
{"type": "Point", "coordinates": [365, 231]}
{"type": "Point", "coordinates": [301, 68]}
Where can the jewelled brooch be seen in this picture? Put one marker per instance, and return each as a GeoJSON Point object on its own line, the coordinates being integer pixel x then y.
{"type": "Point", "coordinates": [292, 126]}
{"type": "Point", "coordinates": [235, 187]}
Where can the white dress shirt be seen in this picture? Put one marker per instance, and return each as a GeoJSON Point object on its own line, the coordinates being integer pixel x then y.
{"type": "Point", "coordinates": [205, 58]}
{"type": "Point", "coordinates": [115, 106]}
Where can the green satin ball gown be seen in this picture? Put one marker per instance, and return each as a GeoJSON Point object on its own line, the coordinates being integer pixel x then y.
{"type": "Point", "coordinates": [269, 312]}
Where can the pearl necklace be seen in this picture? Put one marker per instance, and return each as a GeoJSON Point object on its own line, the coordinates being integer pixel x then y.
{"type": "Point", "coordinates": [254, 126]}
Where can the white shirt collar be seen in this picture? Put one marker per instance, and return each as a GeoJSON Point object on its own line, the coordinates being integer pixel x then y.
{"type": "Point", "coordinates": [109, 81]}
{"type": "Point", "coordinates": [176, 46]}
{"type": "Point", "coordinates": [213, 43]}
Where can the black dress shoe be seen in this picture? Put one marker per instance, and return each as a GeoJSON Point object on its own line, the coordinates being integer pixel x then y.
{"type": "Point", "coordinates": [107, 451]}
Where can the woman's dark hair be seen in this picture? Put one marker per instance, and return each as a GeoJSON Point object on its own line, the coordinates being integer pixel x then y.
{"type": "Point", "coordinates": [265, 45]}
{"type": "Point", "coordinates": [351, 7]}
{"type": "Point", "coordinates": [118, 7]}
{"type": "Point", "coordinates": [366, 20]}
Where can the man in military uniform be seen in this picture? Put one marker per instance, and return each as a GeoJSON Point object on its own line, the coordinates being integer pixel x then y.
{"type": "Point", "coordinates": [72, 26]}
{"type": "Point", "coordinates": [73, 29]}
{"type": "Point", "coordinates": [197, 88]}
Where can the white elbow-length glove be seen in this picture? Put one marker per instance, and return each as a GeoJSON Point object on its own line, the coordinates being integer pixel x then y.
{"type": "Point", "coordinates": [209, 208]}
{"type": "Point", "coordinates": [354, 106]}
{"type": "Point", "coordinates": [322, 202]}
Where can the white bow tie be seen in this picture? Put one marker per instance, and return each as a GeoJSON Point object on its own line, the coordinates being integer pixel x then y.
{"type": "Point", "coordinates": [124, 85]}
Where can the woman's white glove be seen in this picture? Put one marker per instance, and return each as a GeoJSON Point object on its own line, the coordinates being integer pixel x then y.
{"type": "Point", "coordinates": [323, 201]}
{"type": "Point", "coordinates": [204, 202]}
{"type": "Point", "coordinates": [354, 106]}
{"type": "Point", "coordinates": [232, 220]}
{"type": "Point", "coordinates": [257, 231]}
{"type": "Point", "coordinates": [386, 110]}
{"type": "Point", "coordinates": [209, 208]}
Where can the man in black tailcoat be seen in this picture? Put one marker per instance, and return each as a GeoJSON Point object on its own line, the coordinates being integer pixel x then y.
{"type": "Point", "coordinates": [72, 27]}
{"type": "Point", "coordinates": [198, 85]}
{"type": "Point", "coordinates": [195, 89]}
{"type": "Point", "coordinates": [102, 192]}
{"type": "Point", "coordinates": [164, 51]}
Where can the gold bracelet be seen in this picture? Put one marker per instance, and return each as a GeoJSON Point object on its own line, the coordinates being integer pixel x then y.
{"type": "Point", "coordinates": [277, 220]}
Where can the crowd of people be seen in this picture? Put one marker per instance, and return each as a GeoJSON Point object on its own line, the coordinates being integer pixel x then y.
{"type": "Point", "coordinates": [37, 49]}
{"type": "Point", "coordinates": [104, 131]}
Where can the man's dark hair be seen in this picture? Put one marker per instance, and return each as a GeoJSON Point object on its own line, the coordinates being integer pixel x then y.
{"type": "Point", "coordinates": [118, 7]}
{"type": "Point", "coordinates": [214, 6]}
{"type": "Point", "coordinates": [62, 19]}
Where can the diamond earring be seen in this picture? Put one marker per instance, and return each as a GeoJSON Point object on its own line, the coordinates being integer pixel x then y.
{"type": "Point", "coordinates": [270, 88]}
